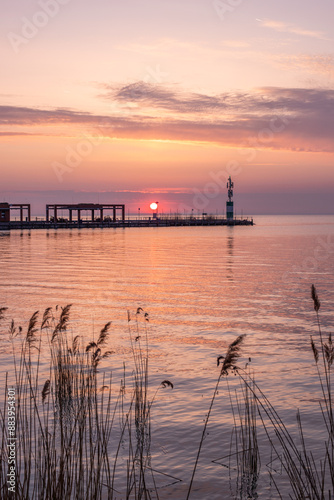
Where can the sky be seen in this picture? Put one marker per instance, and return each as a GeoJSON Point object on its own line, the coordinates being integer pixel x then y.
{"type": "Point", "coordinates": [146, 99]}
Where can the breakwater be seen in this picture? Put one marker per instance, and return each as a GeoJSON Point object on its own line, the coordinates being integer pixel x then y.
{"type": "Point", "coordinates": [130, 222]}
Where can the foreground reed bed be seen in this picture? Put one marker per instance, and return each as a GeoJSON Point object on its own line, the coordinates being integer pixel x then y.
{"type": "Point", "coordinates": [71, 428]}
{"type": "Point", "coordinates": [310, 473]}
{"type": "Point", "coordinates": [306, 473]}
{"type": "Point", "coordinates": [78, 437]}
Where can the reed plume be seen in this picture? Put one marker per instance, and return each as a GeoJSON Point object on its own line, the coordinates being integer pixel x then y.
{"type": "Point", "coordinates": [329, 350]}
{"type": "Point", "coordinates": [31, 332]}
{"type": "Point", "coordinates": [167, 383]}
{"type": "Point", "coordinates": [314, 350]}
{"type": "Point", "coordinates": [75, 344]}
{"type": "Point", "coordinates": [233, 353]}
{"type": "Point", "coordinates": [64, 319]}
{"type": "Point", "coordinates": [316, 301]}
{"type": "Point", "coordinates": [91, 345]}
{"type": "Point", "coordinates": [47, 318]}
{"type": "Point", "coordinates": [104, 334]}
{"type": "Point", "coordinates": [46, 389]}
{"type": "Point", "coordinates": [12, 329]}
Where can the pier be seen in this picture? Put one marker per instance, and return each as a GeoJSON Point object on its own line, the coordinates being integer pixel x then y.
{"type": "Point", "coordinates": [129, 222]}
{"type": "Point", "coordinates": [112, 215]}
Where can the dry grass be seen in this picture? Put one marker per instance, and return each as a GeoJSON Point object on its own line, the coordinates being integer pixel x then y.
{"type": "Point", "coordinates": [76, 432]}
{"type": "Point", "coordinates": [309, 478]}
{"type": "Point", "coordinates": [72, 427]}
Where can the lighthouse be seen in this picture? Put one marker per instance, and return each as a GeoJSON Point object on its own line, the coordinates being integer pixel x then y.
{"type": "Point", "coordinates": [229, 203]}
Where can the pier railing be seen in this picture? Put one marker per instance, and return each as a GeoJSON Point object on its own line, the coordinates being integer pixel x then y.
{"type": "Point", "coordinates": [129, 221]}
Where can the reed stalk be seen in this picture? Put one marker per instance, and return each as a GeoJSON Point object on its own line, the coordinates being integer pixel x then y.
{"type": "Point", "coordinates": [233, 353]}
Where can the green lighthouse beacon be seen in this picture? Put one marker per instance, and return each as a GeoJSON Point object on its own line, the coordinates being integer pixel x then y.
{"type": "Point", "coordinates": [229, 203]}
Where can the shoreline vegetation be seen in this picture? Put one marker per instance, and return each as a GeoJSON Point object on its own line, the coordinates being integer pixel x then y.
{"type": "Point", "coordinates": [73, 435]}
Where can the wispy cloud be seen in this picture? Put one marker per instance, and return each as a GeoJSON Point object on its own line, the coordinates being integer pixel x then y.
{"type": "Point", "coordinates": [10, 134]}
{"type": "Point", "coordinates": [228, 109]}
{"type": "Point", "coordinates": [284, 27]}
{"type": "Point", "coordinates": [318, 65]}
{"type": "Point", "coordinates": [303, 118]}
{"type": "Point", "coordinates": [17, 115]}
{"type": "Point", "coordinates": [161, 97]}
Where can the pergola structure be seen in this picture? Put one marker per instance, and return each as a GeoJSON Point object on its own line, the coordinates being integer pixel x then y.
{"type": "Point", "coordinates": [52, 210]}
{"type": "Point", "coordinates": [6, 208]}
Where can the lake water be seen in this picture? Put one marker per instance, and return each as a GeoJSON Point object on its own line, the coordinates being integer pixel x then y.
{"type": "Point", "coordinates": [202, 287]}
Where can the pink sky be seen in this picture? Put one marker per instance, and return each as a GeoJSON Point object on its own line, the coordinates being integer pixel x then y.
{"type": "Point", "coordinates": [166, 97]}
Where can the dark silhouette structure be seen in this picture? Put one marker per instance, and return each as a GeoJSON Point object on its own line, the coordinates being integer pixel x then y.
{"type": "Point", "coordinates": [52, 211]}
{"type": "Point", "coordinates": [6, 208]}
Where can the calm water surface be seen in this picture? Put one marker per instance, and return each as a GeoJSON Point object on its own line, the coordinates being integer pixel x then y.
{"type": "Point", "coordinates": [202, 287]}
